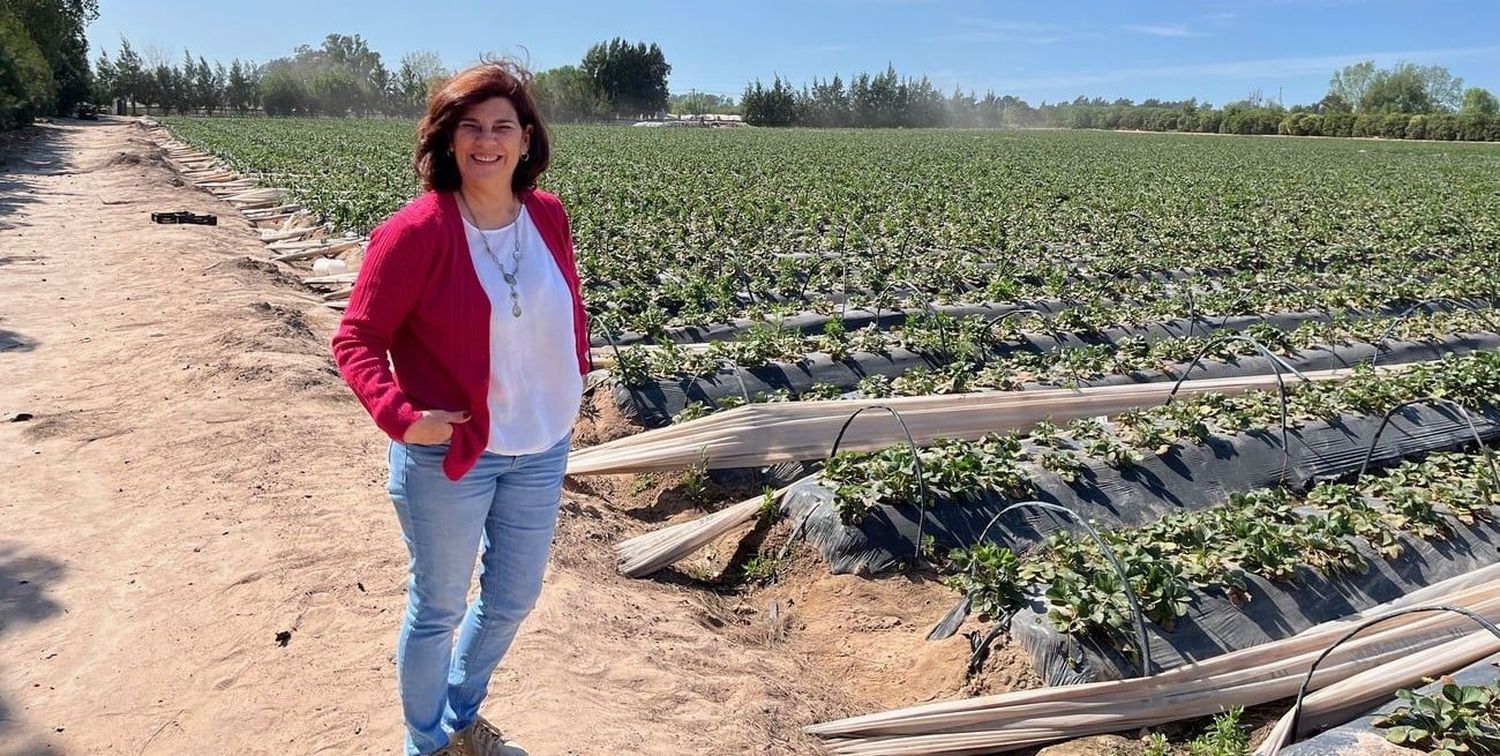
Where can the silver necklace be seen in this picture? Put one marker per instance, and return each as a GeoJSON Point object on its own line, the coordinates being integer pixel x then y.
{"type": "Point", "coordinates": [510, 276]}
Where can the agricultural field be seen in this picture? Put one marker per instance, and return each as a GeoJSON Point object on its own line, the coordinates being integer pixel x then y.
{"type": "Point", "coordinates": [1238, 387]}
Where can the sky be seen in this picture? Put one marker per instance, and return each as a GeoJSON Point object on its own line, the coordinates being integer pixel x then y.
{"type": "Point", "coordinates": [1215, 50]}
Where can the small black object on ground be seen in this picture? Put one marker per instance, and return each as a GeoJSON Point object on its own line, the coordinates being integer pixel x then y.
{"type": "Point", "coordinates": [183, 216]}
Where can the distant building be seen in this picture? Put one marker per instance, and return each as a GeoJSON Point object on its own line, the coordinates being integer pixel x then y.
{"type": "Point", "coordinates": [701, 120]}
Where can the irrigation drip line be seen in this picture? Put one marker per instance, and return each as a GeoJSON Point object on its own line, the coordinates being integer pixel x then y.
{"type": "Point", "coordinates": [1296, 711]}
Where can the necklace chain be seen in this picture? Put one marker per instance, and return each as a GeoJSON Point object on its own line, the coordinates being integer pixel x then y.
{"type": "Point", "coordinates": [515, 255]}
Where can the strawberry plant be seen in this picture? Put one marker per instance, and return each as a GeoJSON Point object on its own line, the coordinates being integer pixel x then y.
{"type": "Point", "coordinates": [1456, 719]}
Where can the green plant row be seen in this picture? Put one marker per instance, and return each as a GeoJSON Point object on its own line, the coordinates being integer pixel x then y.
{"type": "Point", "coordinates": [1000, 463]}
{"type": "Point", "coordinates": [674, 225]}
{"type": "Point", "coordinates": [1102, 300]}
{"type": "Point", "coordinates": [963, 350]}
{"type": "Point", "coordinates": [1071, 366]}
{"type": "Point", "coordinates": [1269, 533]}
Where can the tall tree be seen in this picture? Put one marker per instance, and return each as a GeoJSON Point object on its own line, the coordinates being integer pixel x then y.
{"type": "Point", "coordinates": [57, 29]}
{"type": "Point", "coordinates": [569, 94]}
{"type": "Point", "coordinates": [206, 91]}
{"type": "Point", "coordinates": [105, 83]}
{"type": "Point", "coordinates": [26, 86]}
{"type": "Point", "coordinates": [1445, 90]}
{"type": "Point", "coordinates": [378, 97]}
{"type": "Point", "coordinates": [336, 91]}
{"type": "Point", "coordinates": [1403, 88]}
{"type": "Point", "coordinates": [1480, 101]}
{"type": "Point", "coordinates": [130, 75]}
{"type": "Point", "coordinates": [220, 86]}
{"type": "Point", "coordinates": [363, 66]}
{"type": "Point", "coordinates": [187, 81]}
{"type": "Point", "coordinates": [633, 76]}
{"type": "Point", "coordinates": [237, 92]}
{"type": "Point", "coordinates": [1350, 82]}
{"type": "Point", "coordinates": [420, 71]}
{"type": "Point", "coordinates": [281, 92]}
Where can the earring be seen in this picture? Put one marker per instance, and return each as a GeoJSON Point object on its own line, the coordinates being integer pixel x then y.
{"type": "Point", "coordinates": [525, 156]}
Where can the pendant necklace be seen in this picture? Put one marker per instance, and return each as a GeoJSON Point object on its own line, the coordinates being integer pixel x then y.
{"type": "Point", "coordinates": [510, 276]}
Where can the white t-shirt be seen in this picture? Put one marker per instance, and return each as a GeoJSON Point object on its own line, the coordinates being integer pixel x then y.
{"type": "Point", "coordinates": [535, 389]}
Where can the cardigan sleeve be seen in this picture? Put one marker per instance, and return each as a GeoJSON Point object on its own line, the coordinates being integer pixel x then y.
{"type": "Point", "coordinates": [385, 293]}
{"type": "Point", "coordinates": [580, 312]}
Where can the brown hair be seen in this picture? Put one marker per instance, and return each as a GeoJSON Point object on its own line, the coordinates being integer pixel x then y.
{"type": "Point", "coordinates": [434, 160]}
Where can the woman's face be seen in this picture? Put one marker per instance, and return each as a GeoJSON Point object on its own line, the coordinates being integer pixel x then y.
{"type": "Point", "coordinates": [489, 142]}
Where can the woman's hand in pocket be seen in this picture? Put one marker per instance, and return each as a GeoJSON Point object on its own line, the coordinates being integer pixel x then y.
{"type": "Point", "coordinates": [434, 427]}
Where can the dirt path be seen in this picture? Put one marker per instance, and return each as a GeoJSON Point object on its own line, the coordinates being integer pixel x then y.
{"type": "Point", "coordinates": [196, 553]}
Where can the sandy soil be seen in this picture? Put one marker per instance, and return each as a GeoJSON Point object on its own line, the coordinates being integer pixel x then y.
{"type": "Point", "coordinates": [197, 554]}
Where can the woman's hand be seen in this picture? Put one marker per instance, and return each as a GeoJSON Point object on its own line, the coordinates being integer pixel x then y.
{"type": "Point", "coordinates": [434, 427]}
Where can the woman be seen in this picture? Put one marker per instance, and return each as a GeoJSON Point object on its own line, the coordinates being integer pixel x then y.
{"type": "Point", "coordinates": [471, 294]}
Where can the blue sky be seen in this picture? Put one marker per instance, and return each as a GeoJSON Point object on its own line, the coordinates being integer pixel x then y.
{"type": "Point", "coordinates": [1216, 50]}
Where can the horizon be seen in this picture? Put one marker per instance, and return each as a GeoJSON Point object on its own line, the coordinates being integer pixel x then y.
{"type": "Point", "coordinates": [1211, 50]}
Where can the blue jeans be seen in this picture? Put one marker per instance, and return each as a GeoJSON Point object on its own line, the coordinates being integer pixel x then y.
{"type": "Point", "coordinates": [506, 504]}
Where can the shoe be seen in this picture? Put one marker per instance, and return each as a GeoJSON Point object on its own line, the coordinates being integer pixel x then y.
{"type": "Point", "coordinates": [455, 747]}
{"type": "Point", "coordinates": [484, 739]}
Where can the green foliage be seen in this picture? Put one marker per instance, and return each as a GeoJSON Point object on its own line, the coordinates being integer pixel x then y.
{"type": "Point", "coordinates": [1266, 532]}
{"type": "Point", "coordinates": [1480, 101]}
{"type": "Point", "coordinates": [1457, 719]}
{"type": "Point", "coordinates": [700, 103]}
{"type": "Point", "coordinates": [568, 95]}
{"type": "Point", "coordinates": [761, 569]}
{"type": "Point", "coordinates": [44, 65]}
{"type": "Point", "coordinates": [1157, 745]}
{"type": "Point", "coordinates": [284, 93]}
{"type": "Point", "coordinates": [26, 85]}
{"type": "Point", "coordinates": [633, 77]}
{"type": "Point", "coordinates": [1225, 737]}
{"type": "Point", "coordinates": [1000, 465]}
{"type": "Point", "coordinates": [695, 483]}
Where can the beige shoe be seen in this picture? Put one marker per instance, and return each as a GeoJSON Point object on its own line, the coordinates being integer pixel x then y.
{"type": "Point", "coordinates": [484, 739]}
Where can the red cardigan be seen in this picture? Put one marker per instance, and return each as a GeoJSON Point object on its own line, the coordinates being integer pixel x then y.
{"type": "Point", "coordinates": [418, 299]}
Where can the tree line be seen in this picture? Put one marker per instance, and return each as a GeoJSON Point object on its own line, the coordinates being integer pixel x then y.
{"type": "Point", "coordinates": [44, 66]}
{"type": "Point", "coordinates": [344, 77]}
{"type": "Point", "coordinates": [1404, 101]}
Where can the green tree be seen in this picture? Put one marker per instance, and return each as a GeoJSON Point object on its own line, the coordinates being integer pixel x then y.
{"type": "Point", "coordinates": [776, 106]}
{"type": "Point", "coordinates": [336, 91]}
{"type": "Point", "coordinates": [1350, 82]}
{"type": "Point", "coordinates": [696, 103]}
{"type": "Point", "coordinates": [1404, 88]}
{"type": "Point", "coordinates": [131, 78]}
{"type": "Point", "coordinates": [1444, 90]}
{"type": "Point", "coordinates": [167, 89]}
{"type": "Point", "coordinates": [1480, 100]}
{"type": "Point", "coordinates": [632, 76]}
{"type": "Point", "coordinates": [26, 86]}
{"type": "Point", "coordinates": [360, 65]}
{"type": "Point", "coordinates": [105, 81]}
{"type": "Point", "coordinates": [1334, 103]}
{"type": "Point", "coordinates": [238, 94]}
{"type": "Point", "coordinates": [378, 95]}
{"type": "Point", "coordinates": [419, 72]}
{"type": "Point", "coordinates": [187, 83]}
{"type": "Point", "coordinates": [52, 30]}
{"type": "Point", "coordinates": [828, 103]}
{"type": "Point", "coordinates": [281, 92]}
{"type": "Point", "coordinates": [568, 94]}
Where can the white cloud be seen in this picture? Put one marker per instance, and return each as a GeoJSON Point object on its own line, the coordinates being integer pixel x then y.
{"type": "Point", "coordinates": [1163, 30]}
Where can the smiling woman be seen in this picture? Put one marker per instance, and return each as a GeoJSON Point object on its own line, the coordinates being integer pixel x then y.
{"type": "Point", "coordinates": [472, 295]}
